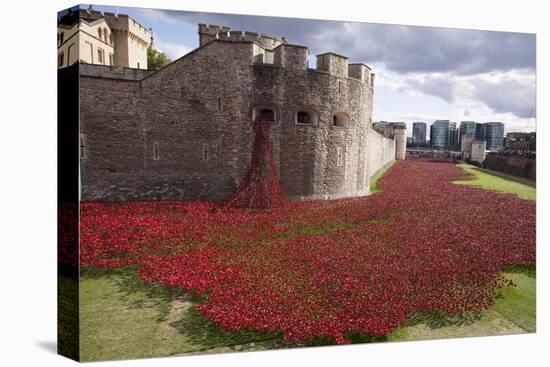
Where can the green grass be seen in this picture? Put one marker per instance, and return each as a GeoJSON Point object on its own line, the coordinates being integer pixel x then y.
{"type": "Point", "coordinates": [513, 313]}
{"type": "Point", "coordinates": [374, 188]}
{"type": "Point", "coordinates": [492, 182]}
{"type": "Point", "coordinates": [123, 318]}
{"type": "Point", "coordinates": [518, 304]}
{"type": "Point", "coordinates": [67, 316]}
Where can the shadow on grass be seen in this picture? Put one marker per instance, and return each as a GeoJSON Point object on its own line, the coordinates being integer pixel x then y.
{"type": "Point", "coordinates": [207, 333]}
{"type": "Point", "coordinates": [353, 337]}
{"type": "Point", "coordinates": [433, 319]}
{"type": "Point", "coordinates": [528, 270]}
{"type": "Point", "coordinates": [189, 323]}
{"type": "Point", "coordinates": [128, 283]}
{"type": "Point", "coordinates": [437, 319]}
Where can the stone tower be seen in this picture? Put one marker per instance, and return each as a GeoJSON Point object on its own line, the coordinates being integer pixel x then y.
{"type": "Point", "coordinates": [400, 137]}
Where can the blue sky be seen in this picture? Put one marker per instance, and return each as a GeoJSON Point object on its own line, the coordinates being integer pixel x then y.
{"type": "Point", "coordinates": [422, 73]}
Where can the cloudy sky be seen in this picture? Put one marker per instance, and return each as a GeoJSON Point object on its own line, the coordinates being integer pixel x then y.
{"type": "Point", "coordinates": [422, 73]}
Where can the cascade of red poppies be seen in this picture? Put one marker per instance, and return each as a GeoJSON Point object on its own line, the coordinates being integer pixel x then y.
{"type": "Point", "coordinates": [260, 187]}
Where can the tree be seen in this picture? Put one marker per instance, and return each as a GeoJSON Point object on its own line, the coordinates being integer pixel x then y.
{"type": "Point", "coordinates": [156, 60]}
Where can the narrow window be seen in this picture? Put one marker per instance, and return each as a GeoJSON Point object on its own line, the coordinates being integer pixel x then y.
{"type": "Point", "coordinates": [61, 38]}
{"type": "Point", "coordinates": [138, 65]}
{"type": "Point", "coordinates": [339, 157]}
{"type": "Point", "coordinates": [100, 33]}
{"type": "Point", "coordinates": [219, 103]}
{"type": "Point", "coordinates": [205, 152]}
{"type": "Point", "coordinates": [100, 56]}
{"type": "Point", "coordinates": [303, 118]}
{"type": "Point", "coordinates": [60, 60]}
{"type": "Point", "coordinates": [82, 147]}
{"type": "Point", "coordinates": [156, 155]}
{"type": "Point", "coordinates": [339, 87]}
{"type": "Point", "coordinates": [334, 120]}
{"type": "Point", "coordinates": [111, 59]}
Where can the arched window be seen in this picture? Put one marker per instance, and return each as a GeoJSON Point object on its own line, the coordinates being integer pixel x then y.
{"type": "Point", "coordinates": [265, 113]}
{"type": "Point", "coordinates": [100, 33]}
{"type": "Point", "coordinates": [340, 119]}
{"type": "Point", "coordinates": [307, 117]}
{"type": "Point", "coordinates": [105, 35]}
{"type": "Point", "coordinates": [111, 38]}
{"type": "Point", "coordinates": [61, 38]}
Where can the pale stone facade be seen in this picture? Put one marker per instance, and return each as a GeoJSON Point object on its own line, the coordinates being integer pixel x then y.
{"type": "Point", "coordinates": [185, 131]}
{"type": "Point", "coordinates": [92, 37]}
{"type": "Point", "coordinates": [472, 149]}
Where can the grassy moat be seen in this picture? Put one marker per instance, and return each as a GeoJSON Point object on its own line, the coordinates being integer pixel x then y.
{"type": "Point", "coordinates": [121, 316]}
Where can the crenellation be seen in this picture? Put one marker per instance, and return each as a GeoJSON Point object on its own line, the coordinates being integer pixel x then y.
{"type": "Point", "coordinates": [188, 134]}
{"type": "Point", "coordinates": [291, 56]}
{"type": "Point", "coordinates": [333, 63]}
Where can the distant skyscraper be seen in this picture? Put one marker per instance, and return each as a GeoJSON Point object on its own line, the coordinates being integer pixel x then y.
{"type": "Point", "coordinates": [494, 135]}
{"type": "Point", "coordinates": [444, 135]}
{"type": "Point", "coordinates": [419, 133]}
{"type": "Point", "coordinates": [480, 131]}
{"type": "Point", "coordinates": [476, 129]}
{"type": "Point", "coordinates": [468, 127]}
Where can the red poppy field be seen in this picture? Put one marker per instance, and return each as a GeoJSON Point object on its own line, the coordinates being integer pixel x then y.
{"type": "Point", "coordinates": [324, 268]}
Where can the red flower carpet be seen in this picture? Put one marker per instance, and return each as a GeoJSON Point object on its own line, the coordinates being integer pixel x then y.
{"type": "Point", "coordinates": [324, 268]}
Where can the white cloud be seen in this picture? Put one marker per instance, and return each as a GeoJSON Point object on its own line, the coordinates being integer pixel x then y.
{"type": "Point", "coordinates": [171, 49]}
{"type": "Point", "coordinates": [155, 15]}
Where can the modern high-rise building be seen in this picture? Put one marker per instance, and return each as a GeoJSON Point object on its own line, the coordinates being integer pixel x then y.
{"type": "Point", "coordinates": [444, 135]}
{"type": "Point", "coordinates": [480, 131]}
{"type": "Point", "coordinates": [467, 127]}
{"type": "Point", "coordinates": [494, 135]}
{"type": "Point", "coordinates": [419, 133]}
{"type": "Point", "coordinates": [476, 129]}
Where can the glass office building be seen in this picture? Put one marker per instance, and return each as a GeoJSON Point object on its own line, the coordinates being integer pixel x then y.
{"type": "Point", "coordinates": [419, 133]}
{"type": "Point", "coordinates": [494, 135]}
{"type": "Point", "coordinates": [444, 135]}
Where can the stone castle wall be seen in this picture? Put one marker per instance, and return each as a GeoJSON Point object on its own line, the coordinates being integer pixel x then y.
{"type": "Point", "coordinates": [516, 166]}
{"type": "Point", "coordinates": [184, 132]}
{"type": "Point", "coordinates": [380, 152]}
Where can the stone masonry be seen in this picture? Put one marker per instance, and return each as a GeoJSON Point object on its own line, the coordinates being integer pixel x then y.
{"type": "Point", "coordinates": [184, 132]}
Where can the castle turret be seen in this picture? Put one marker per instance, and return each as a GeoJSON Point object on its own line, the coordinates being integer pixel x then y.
{"type": "Point", "coordinates": [209, 32]}
{"type": "Point", "coordinates": [400, 137]}
{"type": "Point", "coordinates": [291, 56]}
{"type": "Point", "coordinates": [359, 71]}
{"type": "Point", "coordinates": [333, 64]}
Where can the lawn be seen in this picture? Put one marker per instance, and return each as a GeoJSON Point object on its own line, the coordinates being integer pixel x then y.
{"type": "Point", "coordinates": [163, 278]}
{"type": "Point", "coordinates": [122, 317]}
{"type": "Point", "coordinates": [489, 181]}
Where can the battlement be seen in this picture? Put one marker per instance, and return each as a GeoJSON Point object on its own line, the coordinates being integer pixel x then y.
{"type": "Point", "coordinates": [208, 33]}
{"type": "Point", "coordinates": [278, 52]}
{"type": "Point", "coordinates": [291, 56]}
{"type": "Point", "coordinates": [362, 72]}
{"type": "Point", "coordinates": [333, 64]}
